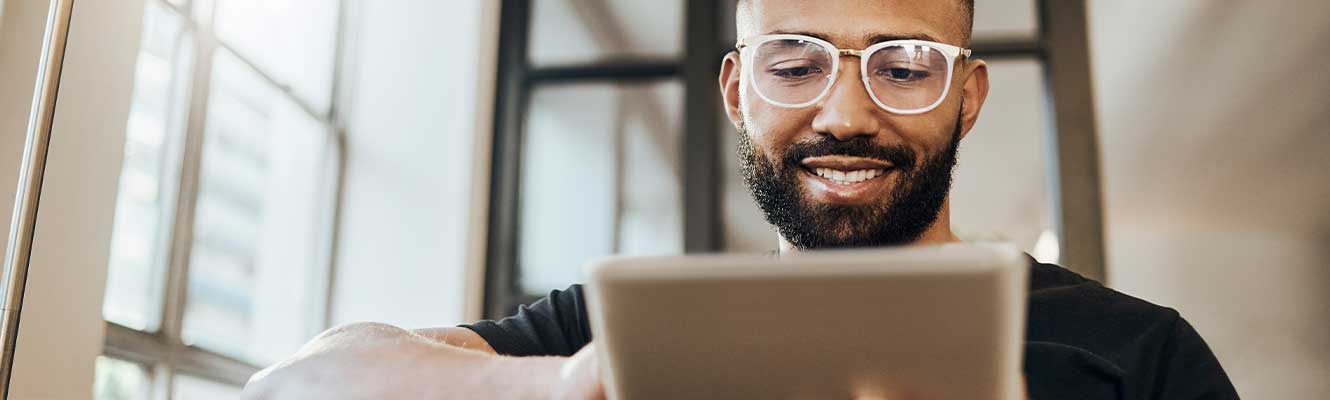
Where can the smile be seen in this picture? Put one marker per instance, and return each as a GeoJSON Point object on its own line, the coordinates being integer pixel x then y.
{"type": "Point", "coordinates": [846, 178]}
{"type": "Point", "coordinates": [839, 179]}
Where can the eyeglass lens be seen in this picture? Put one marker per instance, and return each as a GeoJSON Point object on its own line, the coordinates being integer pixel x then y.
{"type": "Point", "coordinates": [905, 77]}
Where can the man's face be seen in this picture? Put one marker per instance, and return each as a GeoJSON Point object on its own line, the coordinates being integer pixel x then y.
{"type": "Point", "coordinates": [896, 168]}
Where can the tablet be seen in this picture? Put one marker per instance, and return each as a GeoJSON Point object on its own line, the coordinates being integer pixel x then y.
{"type": "Point", "coordinates": [933, 323]}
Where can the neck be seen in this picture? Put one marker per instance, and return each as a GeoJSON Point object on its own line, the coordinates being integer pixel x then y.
{"type": "Point", "coordinates": [938, 233]}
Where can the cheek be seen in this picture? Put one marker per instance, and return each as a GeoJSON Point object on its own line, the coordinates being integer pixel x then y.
{"type": "Point", "coordinates": [926, 133]}
{"type": "Point", "coordinates": [773, 128]}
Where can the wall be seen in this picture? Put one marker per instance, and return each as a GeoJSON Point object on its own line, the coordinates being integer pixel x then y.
{"type": "Point", "coordinates": [1214, 137]}
{"type": "Point", "coordinates": [61, 330]}
{"type": "Point", "coordinates": [419, 77]}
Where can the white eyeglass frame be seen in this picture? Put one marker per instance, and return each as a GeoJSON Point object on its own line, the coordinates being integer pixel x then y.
{"type": "Point", "coordinates": [950, 52]}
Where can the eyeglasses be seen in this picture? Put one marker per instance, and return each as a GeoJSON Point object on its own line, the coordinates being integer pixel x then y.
{"type": "Point", "coordinates": [902, 76]}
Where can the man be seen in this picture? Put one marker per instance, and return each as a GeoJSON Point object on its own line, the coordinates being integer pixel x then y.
{"type": "Point", "coordinates": [849, 116]}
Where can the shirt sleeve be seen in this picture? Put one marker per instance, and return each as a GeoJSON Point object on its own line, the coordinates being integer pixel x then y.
{"type": "Point", "coordinates": [553, 326]}
{"type": "Point", "coordinates": [1189, 370]}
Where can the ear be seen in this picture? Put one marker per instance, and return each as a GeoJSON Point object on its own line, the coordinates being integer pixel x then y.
{"type": "Point", "coordinates": [729, 86]}
{"type": "Point", "coordinates": [973, 93]}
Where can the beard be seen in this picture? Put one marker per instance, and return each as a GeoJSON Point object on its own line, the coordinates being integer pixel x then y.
{"type": "Point", "coordinates": [901, 216]}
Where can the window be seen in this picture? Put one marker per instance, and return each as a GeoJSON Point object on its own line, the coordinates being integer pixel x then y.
{"type": "Point", "coordinates": [599, 133]}
{"type": "Point", "coordinates": [221, 245]}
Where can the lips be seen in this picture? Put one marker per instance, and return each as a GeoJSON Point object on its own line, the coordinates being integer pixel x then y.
{"type": "Point", "coordinates": [845, 163]}
{"type": "Point", "coordinates": [846, 169]}
{"type": "Point", "coordinates": [841, 179]}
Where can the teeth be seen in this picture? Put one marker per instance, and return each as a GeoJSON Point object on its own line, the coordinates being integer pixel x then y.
{"type": "Point", "coordinates": [843, 177]}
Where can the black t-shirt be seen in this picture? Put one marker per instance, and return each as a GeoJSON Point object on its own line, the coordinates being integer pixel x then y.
{"type": "Point", "coordinates": [1083, 341]}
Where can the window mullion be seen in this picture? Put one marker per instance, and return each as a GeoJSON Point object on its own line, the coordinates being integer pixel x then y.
{"type": "Point", "coordinates": [212, 366]}
{"type": "Point", "coordinates": [162, 374]}
{"type": "Point", "coordinates": [701, 158]}
{"type": "Point", "coordinates": [1078, 200]}
{"type": "Point", "coordinates": [177, 273]}
{"type": "Point", "coordinates": [512, 92]}
{"type": "Point", "coordinates": [133, 345]}
{"type": "Point", "coordinates": [1001, 48]}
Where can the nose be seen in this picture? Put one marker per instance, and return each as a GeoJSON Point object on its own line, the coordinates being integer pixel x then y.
{"type": "Point", "coordinates": [847, 111]}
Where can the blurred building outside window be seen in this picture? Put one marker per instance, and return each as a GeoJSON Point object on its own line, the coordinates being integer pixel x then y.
{"type": "Point", "coordinates": [221, 245]}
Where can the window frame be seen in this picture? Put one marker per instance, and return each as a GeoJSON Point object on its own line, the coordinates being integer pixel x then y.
{"type": "Point", "coordinates": [1060, 47]}
{"type": "Point", "coordinates": [163, 353]}
{"type": "Point", "coordinates": [517, 79]}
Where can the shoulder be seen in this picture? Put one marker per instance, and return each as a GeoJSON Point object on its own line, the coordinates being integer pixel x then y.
{"type": "Point", "coordinates": [1069, 309]}
{"type": "Point", "coordinates": [1077, 327]}
{"type": "Point", "coordinates": [1063, 293]}
{"type": "Point", "coordinates": [1077, 320]}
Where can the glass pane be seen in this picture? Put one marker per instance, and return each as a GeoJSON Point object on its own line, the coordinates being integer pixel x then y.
{"type": "Point", "coordinates": [202, 10]}
{"type": "Point", "coordinates": [192, 388]}
{"type": "Point", "coordinates": [1005, 19]}
{"type": "Point", "coordinates": [119, 380]}
{"type": "Point", "coordinates": [600, 175]}
{"type": "Point", "coordinates": [1001, 181]}
{"type": "Point", "coordinates": [293, 41]}
{"type": "Point", "coordinates": [581, 32]}
{"type": "Point", "coordinates": [145, 202]}
{"type": "Point", "coordinates": [258, 260]}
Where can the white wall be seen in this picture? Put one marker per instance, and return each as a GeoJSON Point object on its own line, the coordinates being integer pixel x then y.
{"type": "Point", "coordinates": [61, 331]}
{"type": "Point", "coordinates": [420, 82]}
{"type": "Point", "coordinates": [1214, 138]}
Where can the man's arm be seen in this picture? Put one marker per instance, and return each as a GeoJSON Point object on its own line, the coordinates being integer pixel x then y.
{"type": "Point", "coordinates": [457, 337]}
{"type": "Point", "coordinates": [369, 360]}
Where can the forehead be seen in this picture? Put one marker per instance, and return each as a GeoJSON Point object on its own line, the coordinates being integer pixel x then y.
{"type": "Point", "coordinates": [855, 23]}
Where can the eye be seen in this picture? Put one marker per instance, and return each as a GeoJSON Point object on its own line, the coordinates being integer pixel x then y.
{"type": "Point", "coordinates": [902, 74]}
{"type": "Point", "coordinates": [796, 72]}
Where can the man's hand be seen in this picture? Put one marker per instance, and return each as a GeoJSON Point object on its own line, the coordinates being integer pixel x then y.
{"type": "Point", "coordinates": [377, 361]}
{"type": "Point", "coordinates": [580, 377]}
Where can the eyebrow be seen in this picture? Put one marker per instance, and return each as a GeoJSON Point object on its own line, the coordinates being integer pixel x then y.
{"type": "Point", "coordinates": [870, 38]}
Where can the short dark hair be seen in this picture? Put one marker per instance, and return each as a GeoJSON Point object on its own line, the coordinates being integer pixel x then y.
{"type": "Point", "coordinates": [967, 4]}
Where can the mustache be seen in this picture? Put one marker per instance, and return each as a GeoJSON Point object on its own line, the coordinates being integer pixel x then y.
{"type": "Point", "coordinates": [900, 156]}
